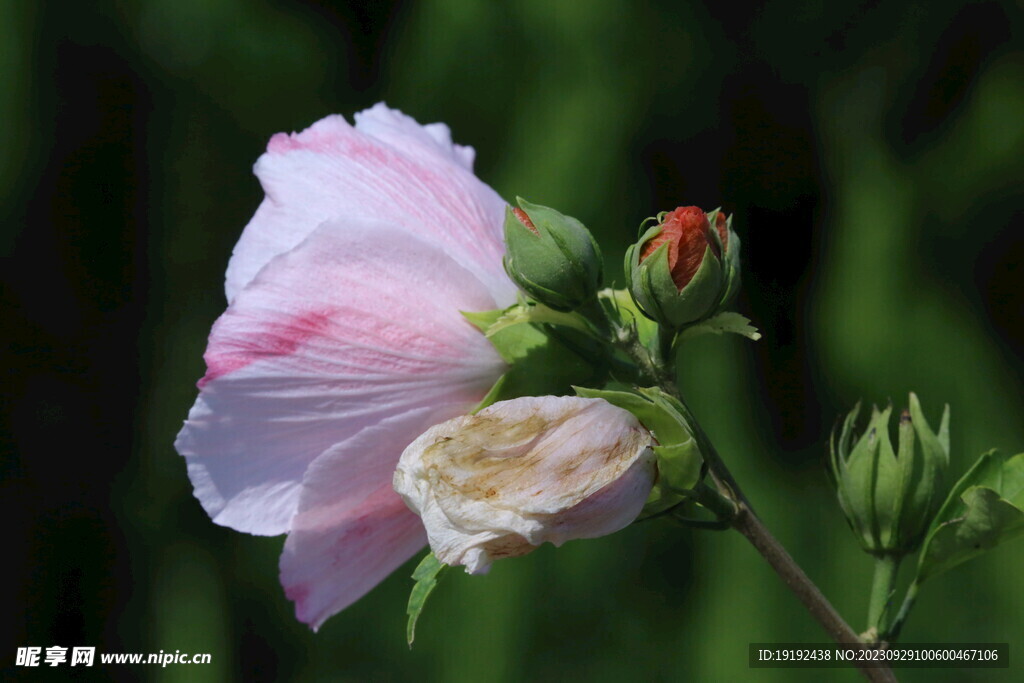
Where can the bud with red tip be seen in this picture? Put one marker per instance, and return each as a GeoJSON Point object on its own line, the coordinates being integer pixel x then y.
{"type": "Point", "coordinates": [686, 268]}
{"type": "Point", "coordinates": [552, 257]}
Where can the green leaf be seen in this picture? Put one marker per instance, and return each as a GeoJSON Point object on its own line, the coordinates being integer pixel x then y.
{"type": "Point", "coordinates": [538, 364]}
{"type": "Point", "coordinates": [727, 322]}
{"type": "Point", "coordinates": [483, 320]}
{"type": "Point", "coordinates": [426, 575]}
{"type": "Point", "coordinates": [536, 313]}
{"type": "Point", "coordinates": [984, 509]}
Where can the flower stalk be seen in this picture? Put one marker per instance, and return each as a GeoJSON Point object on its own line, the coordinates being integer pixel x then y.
{"type": "Point", "coordinates": [893, 632]}
{"type": "Point", "coordinates": [883, 584]}
{"type": "Point", "coordinates": [657, 366]}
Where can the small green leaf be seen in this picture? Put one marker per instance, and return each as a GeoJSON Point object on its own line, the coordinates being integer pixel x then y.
{"type": "Point", "coordinates": [988, 521]}
{"type": "Point", "coordinates": [426, 575]}
{"type": "Point", "coordinates": [483, 320]}
{"type": "Point", "coordinates": [984, 509]}
{"type": "Point", "coordinates": [498, 392]}
{"type": "Point", "coordinates": [536, 313]}
{"type": "Point", "coordinates": [727, 322]}
{"type": "Point", "coordinates": [538, 365]}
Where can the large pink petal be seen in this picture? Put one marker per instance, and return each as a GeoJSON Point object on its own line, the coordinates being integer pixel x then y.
{"type": "Point", "coordinates": [357, 324]}
{"type": "Point", "coordinates": [352, 529]}
{"type": "Point", "coordinates": [387, 168]}
{"type": "Point", "coordinates": [403, 132]}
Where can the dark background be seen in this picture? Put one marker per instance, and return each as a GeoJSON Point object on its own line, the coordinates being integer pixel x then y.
{"type": "Point", "coordinates": [873, 155]}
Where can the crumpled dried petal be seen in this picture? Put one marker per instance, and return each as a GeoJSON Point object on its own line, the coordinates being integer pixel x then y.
{"type": "Point", "coordinates": [526, 471]}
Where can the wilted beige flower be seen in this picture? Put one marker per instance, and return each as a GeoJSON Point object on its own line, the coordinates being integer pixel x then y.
{"type": "Point", "coordinates": [521, 472]}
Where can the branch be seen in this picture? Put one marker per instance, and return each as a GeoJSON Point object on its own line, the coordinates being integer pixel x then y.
{"type": "Point", "coordinates": [748, 524]}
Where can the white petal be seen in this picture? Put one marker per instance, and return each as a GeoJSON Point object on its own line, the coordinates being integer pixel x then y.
{"type": "Point", "coordinates": [403, 132]}
{"type": "Point", "coordinates": [359, 323]}
{"type": "Point", "coordinates": [387, 168]}
{"type": "Point", "coordinates": [351, 530]}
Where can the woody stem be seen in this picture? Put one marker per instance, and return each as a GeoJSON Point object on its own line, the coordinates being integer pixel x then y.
{"type": "Point", "coordinates": [753, 529]}
{"type": "Point", "coordinates": [660, 369]}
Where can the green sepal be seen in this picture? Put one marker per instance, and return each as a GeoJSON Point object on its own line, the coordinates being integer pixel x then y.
{"type": "Point", "coordinates": [653, 407]}
{"type": "Point", "coordinates": [888, 499]}
{"type": "Point", "coordinates": [657, 284]}
{"type": "Point", "coordinates": [539, 364]}
{"type": "Point", "coordinates": [839, 450]}
{"type": "Point", "coordinates": [926, 475]}
{"type": "Point", "coordinates": [857, 485]}
{"type": "Point", "coordinates": [679, 458]}
{"type": "Point", "coordinates": [501, 390]}
{"type": "Point", "coordinates": [536, 313]}
{"type": "Point", "coordinates": [426, 575]}
{"type": "Point", "coordinates": [638, 282]}
{"type": "Point", "coordinates": [911, 521]}
{"type": "Point", "coordinates": [623, 312]}
{"type": "Point", "coordinates": [727, 322]}
{"type": "Point", "coordinates": [482, 320]}
{"type": "Point", "coordinates": [730, 259]}
{"type": "Point", "coordinates": [700, 295]}
{"type": "Point", "coordinates": [985, 508]}
{"type": "Point", "coordinates": [924, 471]}
{"type": "Point", "coordinates": [935, 447]}
{"type": "Point", "coordinates": [712, 220]}
{"type": "Point", "coordinates": [678, 465]}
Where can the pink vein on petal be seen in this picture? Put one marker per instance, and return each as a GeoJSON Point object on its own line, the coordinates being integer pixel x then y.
{"type": "Point", "coordinates": [280, 338]}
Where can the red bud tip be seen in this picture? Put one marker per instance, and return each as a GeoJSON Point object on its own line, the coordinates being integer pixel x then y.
{"type": "Point", "coordinates": [525, 220]}
{"type": "Point", "coordinates": [689, 235]}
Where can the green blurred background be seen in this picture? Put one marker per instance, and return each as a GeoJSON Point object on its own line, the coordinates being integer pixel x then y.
{"type": "Point", "coordinates": [872, 152]}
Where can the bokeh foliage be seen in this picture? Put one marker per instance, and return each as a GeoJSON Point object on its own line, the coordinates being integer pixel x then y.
{"type": "Point", "coordinates": [872, 154]}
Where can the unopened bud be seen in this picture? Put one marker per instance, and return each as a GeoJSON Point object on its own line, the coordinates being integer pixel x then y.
{"type": "Point", "coordinates": [889, 496]}
{"type": "Point", "coordinates": [685, 268]}
{"type": "Point", "coordinates": [551, 257]}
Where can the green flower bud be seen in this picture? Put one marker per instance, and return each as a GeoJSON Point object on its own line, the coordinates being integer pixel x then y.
{"type": "Point", "coordinates": [551, 257]}
{"type": "Point", "coordinates": [890, 496]}
{"type": "Point", "coordinates": [683, 270]}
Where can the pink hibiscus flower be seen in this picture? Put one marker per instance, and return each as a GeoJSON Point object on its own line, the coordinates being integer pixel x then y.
{"type": "Point", "coordinates": [342, 342]}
